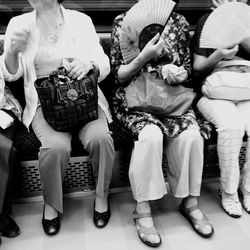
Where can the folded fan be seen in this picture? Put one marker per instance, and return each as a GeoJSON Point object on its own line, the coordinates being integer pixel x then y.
{"type": "Point", "coordinates": [144, 20]}
{"type": "Point", "coordinates": [226, 26]}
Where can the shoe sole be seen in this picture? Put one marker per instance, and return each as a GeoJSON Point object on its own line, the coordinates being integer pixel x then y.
{"type": "Point", "coordinates": [183, 212]}
{"type": "Point", "coordinates": [13, 235]}
{"type": "Point", "coordinates": [149, 243]}
{"type": "Point", "coordinates": [241, 196]}
{"type": "Point", "coordinates": [235, 216]}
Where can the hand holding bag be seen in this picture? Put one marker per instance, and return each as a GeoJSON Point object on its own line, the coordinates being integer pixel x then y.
{"type": "Point", "coordinates": [153, 95]}
{"type": "Point", "coordinates": [228, 85]}
{"type": "Point", "coordinates": [68, 104]}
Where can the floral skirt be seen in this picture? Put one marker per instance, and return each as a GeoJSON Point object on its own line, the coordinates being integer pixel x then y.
{"type": "Point", "coordinates": [171, 127]}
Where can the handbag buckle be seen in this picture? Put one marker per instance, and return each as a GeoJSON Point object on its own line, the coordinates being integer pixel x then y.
{"type": "Point", "coordinates": [72, 95]}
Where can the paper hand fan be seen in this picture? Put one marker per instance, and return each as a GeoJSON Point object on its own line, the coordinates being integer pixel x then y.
{"type": "Point", "coordinates": [141, 23]}
{"type": "Point", "coordinates": [226, 26]}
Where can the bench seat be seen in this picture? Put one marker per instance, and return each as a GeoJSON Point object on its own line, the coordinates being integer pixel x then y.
{"type": "Point", "coordinates": [79, 176]}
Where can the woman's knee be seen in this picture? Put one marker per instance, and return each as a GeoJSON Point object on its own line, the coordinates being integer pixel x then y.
{"type": "Point", "coordinates": [191, 136]}
{"type": "Point", "coordinates": [100, 137]}
{"type": "Point", "coordinates": [152, 134]}
{"type": "Point", "coordinates": [223, 114]}
{"type": "Point", "coordinates": [55, 146]}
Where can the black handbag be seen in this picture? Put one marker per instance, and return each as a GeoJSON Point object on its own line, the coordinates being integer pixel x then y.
{"type": "Point", "coordinates": [68, 104]}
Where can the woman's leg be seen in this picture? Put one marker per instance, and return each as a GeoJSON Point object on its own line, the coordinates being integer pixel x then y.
{"type": "Point", "coordinates": [244, 108]}
{"type": "Point", "coordinates": [147, 180]}
{"type": "Point", "coordinates": [97, 140]}
{"type": "Point", "coordinates": [145, 171]}
{"type": "Point", "coordinates": [53, 158]}
{"type": "Point", "coordinates": [185, 166]}
{"type": "Point", "coordinates": [230, 127]}
{"type": "Point", "coordinates": [185, 163]}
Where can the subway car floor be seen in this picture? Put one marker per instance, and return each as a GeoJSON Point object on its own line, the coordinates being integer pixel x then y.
{"type": "Point", "coordinates": [79, 233]}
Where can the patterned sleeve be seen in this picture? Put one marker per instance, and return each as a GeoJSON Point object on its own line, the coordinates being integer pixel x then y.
{"type": "Point", "coordinates": [116, 58]}
{"type": "Point", "coordinates": [183, 42]}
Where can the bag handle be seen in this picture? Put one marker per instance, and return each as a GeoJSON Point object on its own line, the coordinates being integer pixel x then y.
{"type": "Point", "coordinates": [233, 63]}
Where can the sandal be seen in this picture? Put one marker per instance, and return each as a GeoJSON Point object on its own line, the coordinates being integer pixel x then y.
{"type": "Point", "coordinates": [145, 232]}
{"type": "Point", "coordinates": [196, 224]}
{"type": "Point", "coordinates": [231, 205]}
{"type": "Point", "coordinates": [246, 199]}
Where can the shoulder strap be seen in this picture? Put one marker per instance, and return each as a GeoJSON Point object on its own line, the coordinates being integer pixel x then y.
{"type": "Point", "coordinates": [233, 62]}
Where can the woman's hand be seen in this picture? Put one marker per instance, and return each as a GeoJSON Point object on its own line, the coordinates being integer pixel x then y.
{"type": "Point", "coordinates": [153, 48]}
{"type": "Point", "coordinates": [18, 42]}
{"type": "Point", "coordinates": [174, 74]}
{"type": "Point", "coordinates": [228, 53]}
{"type": "Point", "coordinates": [217, 3]}
{"type": "Point", "coordinates": [76, 68]}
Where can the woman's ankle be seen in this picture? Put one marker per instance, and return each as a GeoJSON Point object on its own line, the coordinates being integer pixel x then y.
{"type": "Point", "coordinates": [101, 204]}
{"type": "Point", "coordinates": [49, 212]}
{"type": "Point", "coordinates": [143, 207]}
{"type": "Point", "coordinates": [190, 201]}
{"type": "Point", "coordinates": [233, 196]}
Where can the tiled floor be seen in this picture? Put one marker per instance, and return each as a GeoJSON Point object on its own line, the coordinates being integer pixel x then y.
{"type": "Point", "coordinates": [78, 232]}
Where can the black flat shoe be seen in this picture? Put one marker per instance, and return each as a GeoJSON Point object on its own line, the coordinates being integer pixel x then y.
{"type": "Point", "coordinates": [8, 226]}
{"type": "Point", "coordinates": [101, 219]}
{"type": "Point", "coordinates": [51, 227]}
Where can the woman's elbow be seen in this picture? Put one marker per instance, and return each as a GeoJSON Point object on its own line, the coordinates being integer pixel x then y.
{"type": "Point", "coordinates": [197, 70]}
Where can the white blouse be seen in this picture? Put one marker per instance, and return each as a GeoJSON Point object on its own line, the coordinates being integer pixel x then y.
{"type": "Point", "coordinates": [86, 43]}
{"type": "Point", "coordinates": [50, 55]}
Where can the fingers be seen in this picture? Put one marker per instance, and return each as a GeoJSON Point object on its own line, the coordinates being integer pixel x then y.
{"type": "Point", "coordinates": [160, 43]}
{"type": "Point", "coordinates": [81, 76]}
{"type": "Point", "coordinates": [235, 48]}
{"type": "Point", "coordinates": [155, 39]}
{"type": "Point", "coordinates": [75, 72]}
{"type": "Point", "coordinates": [19, 41]}
{"type": "Point", "coordinates": [215, 3]}
{"type": "Point", "coordinates": [78, 69]}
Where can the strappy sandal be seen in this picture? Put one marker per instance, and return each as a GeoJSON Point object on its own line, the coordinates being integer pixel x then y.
{"type": "Point", "coordinates": [144, 232]}
{"type": "Point", "coordinates": [196, 224]}
{"type": "Point", "coordinates": [246, 199]}
{"type": "Point", "coordinates": [231, 206]}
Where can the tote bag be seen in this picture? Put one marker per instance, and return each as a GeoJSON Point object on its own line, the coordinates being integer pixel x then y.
{"type": "Point", "coordinates": [153, 95]}
{"type": "Point", "coordinates": [228, 85]}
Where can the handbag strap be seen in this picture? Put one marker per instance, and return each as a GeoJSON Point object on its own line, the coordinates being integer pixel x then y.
{"type": "Point", "coordinates": [233, 62]}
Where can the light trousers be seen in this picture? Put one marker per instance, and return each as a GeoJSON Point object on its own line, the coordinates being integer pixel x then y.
{"type": "Point", "coordinates": [185, 164]}
{"type": "Point", "coordinates": [231, 121]}
{"type": "Point", "coordinates": [54, 155]}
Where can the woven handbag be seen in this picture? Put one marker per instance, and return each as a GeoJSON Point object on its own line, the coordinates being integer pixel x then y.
{"type": "Point", "coordinates": [68, 104]}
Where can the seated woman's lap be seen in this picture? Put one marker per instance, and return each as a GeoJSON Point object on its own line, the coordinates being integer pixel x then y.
{"type": "Point", "coordinates": [223, 114]}
{"type": "Point", "coordinates": [96, 131]}
{"type": "Point", "coordinates": [244, 110]}
{"type": "Point", "coordinates": [47, 135]}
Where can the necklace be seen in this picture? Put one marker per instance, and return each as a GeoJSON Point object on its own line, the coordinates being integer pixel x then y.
{"type": "Point", "coordinates": [52, 38]}
{"type": "Point", "coordinates": [50, 34]}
